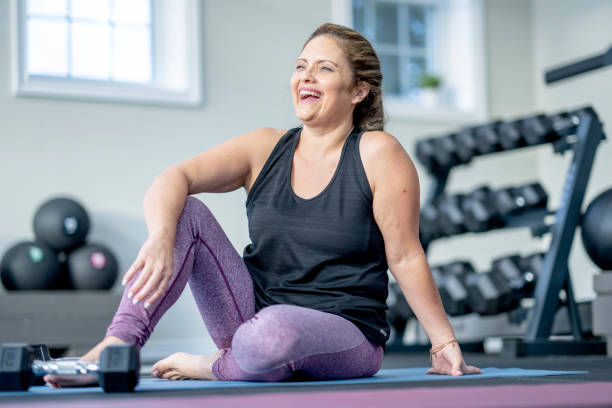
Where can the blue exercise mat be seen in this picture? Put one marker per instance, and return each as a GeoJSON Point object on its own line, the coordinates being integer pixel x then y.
{"type": "Point", "coordinates": [393, 375]}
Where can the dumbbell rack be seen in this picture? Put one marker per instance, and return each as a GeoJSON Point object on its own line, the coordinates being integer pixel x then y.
{"type": "Point", "coordinates": [554, 276]}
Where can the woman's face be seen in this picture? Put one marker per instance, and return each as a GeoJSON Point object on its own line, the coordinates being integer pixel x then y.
{"type": "Point", "coordinates": [322, 84]}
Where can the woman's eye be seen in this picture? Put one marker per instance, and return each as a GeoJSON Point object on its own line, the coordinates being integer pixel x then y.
{"type": "Point", "coordinates": [299, 67]}
{"type": "Point", "coordinates": [327, 69]}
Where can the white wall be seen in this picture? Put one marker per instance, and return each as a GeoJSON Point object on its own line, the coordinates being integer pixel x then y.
{"type": "Point", "coordinates": [107, 154]}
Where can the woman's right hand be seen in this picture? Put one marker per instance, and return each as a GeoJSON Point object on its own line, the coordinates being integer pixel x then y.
{"type": "Point", "coordinates": [155, 259]}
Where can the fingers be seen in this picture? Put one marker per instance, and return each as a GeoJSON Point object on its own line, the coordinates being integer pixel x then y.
{"type": "Point", "coordinates": [140, 282]}
{"type": "Point", "coordinates": [137, 265]}
{"type": "Point", "coordinates": [152, 283]}
{"type": "Point", "coordinates": [163, 285]}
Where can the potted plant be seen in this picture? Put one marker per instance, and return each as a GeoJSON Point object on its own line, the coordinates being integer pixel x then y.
{"type": "Point", "coordinates": [430, 89]}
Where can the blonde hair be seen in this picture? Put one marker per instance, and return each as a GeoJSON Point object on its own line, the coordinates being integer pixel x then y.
{"type": "Point", "coordinates": [364, 63]}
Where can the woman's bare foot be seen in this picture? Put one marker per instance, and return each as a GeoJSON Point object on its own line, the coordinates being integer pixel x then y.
{"type": "Point", "coordinates": [59, 381]}
{"type": "Point", "coordinates": [183, 366]}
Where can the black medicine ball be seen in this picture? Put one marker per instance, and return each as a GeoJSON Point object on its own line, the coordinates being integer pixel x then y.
{"type": "Point", "coordinates": [92, 267]}
{"type": "Point", "coordinates": [596, 229]}
{"type": "Point", "coordinates": [61, 224]}
{"type": "Point", "coordinates": [29, 266]}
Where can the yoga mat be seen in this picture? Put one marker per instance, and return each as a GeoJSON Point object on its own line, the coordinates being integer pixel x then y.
{"type": "Point", "coordinates": [383, 376]}
{"type": "Point", "coordinates": [505, 396]}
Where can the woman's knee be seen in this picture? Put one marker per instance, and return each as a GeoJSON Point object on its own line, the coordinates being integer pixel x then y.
{"type": "Point", "coordinates": [264, 342]}
{"type": "Point", "coordinates": [194, 211]}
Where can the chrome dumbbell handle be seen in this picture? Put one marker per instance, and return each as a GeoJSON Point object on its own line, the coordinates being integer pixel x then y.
{"type": "Point", "coordinates": [64, 366]}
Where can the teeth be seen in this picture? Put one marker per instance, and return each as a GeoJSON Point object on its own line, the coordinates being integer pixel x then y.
{"type": "Point", "coordinates": [304, 92]}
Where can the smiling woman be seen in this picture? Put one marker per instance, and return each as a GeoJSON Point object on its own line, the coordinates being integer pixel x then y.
{"type": "Point", "coordinates": [331, 206]}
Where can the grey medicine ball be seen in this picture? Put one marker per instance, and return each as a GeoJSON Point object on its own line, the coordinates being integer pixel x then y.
{"type": "Point", "coordinates": [92, 267]}
{"type": "Point", "coordinates": [61, 224]}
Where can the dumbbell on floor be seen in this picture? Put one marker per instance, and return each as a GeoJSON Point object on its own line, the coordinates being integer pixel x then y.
{"type": "Point", "coordinates": [118, 369]}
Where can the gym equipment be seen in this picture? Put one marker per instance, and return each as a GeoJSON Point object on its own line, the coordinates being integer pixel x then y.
{"type": "Point", "coordinates": [596, 230]}
{"type": "Point", "coordinates": [510, 136]}
{"type": "Point", "coordinates": [538, 129]}
{"type": "Point", "coordinates": [92, 267]}
{"type": "Point", "coordinates": [465, 142]}
{"type": "Point", "coordinates": [451, 218]}
{"type": "Point", "coordinates": [519, 274]}
{"type": "Point", "coordinates": [480, 211]}
{"type": "Point", "coordinates": [118, 369]}
{"type": "Point", "coordinates": [429, 228]}
{"type": "Point", "coordinates": [450, 279]}
{"type": "Point", "coordinates": [61, 224]}
{"type": "Point", "coordinates": [579, 67]}
{"type": "Point", "coordinates": [29, 266]}
{"type": "Point", "coordinates": [487, 138]}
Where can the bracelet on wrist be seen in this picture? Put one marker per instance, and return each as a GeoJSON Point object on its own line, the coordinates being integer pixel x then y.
{"type": "Point", "coordinates": [434, 350]}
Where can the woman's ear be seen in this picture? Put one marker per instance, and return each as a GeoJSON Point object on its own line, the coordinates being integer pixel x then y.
{"type": "Point", "coordinates": [360, 93]}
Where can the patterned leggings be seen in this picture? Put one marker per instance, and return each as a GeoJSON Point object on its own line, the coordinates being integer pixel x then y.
{"type": "Point", "coordinates": [274, 344]}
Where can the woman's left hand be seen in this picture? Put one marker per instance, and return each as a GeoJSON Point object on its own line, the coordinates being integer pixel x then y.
{"type": "Point", "coordinates": [449, 361]}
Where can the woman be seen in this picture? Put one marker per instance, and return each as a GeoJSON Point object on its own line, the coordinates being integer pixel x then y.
{"type": "Point", "coordinates": [331, 205]}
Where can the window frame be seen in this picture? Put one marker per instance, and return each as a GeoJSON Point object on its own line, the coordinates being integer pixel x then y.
{"type": "Point", "coordinates": [397, 108]}
{"type": "Point", "coordinates": [153, 93]}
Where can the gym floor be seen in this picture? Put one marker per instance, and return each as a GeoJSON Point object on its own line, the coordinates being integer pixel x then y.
{"type": "Point", "coordinates": [593, 389]}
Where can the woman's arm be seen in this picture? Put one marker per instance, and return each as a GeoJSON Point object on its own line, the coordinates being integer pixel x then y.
{"type": "Point", "coordinates": [395, 187]}
{"type": "Point", "coordinates": [223, 168]}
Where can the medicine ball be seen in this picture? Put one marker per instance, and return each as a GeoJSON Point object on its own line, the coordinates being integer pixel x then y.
{"type": "Point", "coordinates": [597, 230]}
{"type": "Point", "coordinates": [29, 266]}
{"type": "Point", "coordinates": [61, 224]}
{"type": "Point", "coordinates": [92, 267]}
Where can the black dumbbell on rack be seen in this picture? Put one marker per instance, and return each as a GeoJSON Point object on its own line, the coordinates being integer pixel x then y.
{"type": "Point", "coordinates": [118, 369]}
{"type": "Point", "coordinates": [450, 279]}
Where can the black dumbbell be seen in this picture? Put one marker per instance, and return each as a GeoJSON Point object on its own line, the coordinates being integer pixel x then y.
{"type": "Point", "coordinates": [538, 129]}
{"type": "Point", "coordinates": [450, 280]}
{"type": "Point", "coordinates": [118, 369]}
{"type": "Point", "coordinates": [520, 274]}
{"type": "Point", "coordinates": [510, 135]}
{"type": "Point", "coordinates": [445, 152]}
{"type": "Point", "coordinates": [504, 201]}
{"type": "Point", "coordinates": [465, 143]}
{"type": "Point", "coordinates": [530, 196]}
{"type": "Point", "coordinates": [480, 212]}
{"type": "Point", "coordinates": [429, 228]}
{"type": "Point", "coordinates": [451, 219]}
{"type": "Point", "coordinates": [487, 138]}
{"type": "Point", "coordinates": [488, 293]}
{"type": "Point", "coordinates": [531, 266]}
{"type": "Point", "coordinates": [426, 154]}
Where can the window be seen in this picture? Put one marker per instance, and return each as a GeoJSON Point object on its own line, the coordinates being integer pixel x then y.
{"type": "Point", "coordinates": [142, 51]}
{"type": "Point", "coordinates": [402, 34]}
{"type": "Point", "coordinates": [417, 40]}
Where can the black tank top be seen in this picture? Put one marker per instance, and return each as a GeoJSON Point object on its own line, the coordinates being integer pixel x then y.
{"type": "Point", "coordinates": [326, 252]}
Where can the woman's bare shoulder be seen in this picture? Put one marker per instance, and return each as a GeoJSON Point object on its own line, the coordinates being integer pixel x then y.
{"type": "Point", "coordinates": [261, 142]}
{"type": "Point", "coordinates": [376, 147]}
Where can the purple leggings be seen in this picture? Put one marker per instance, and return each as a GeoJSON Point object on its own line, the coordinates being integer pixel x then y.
{"type": "Point", "coordinates": [274, 344]}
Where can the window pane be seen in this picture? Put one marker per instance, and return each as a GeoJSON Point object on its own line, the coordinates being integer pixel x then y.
{"type": "Point", "coordinates": [418, 27]}
{"type": "Point", "coordinates": [412, 70]}
{"type": "Point", "coordinates": [132, 55]}
{"type": "Point", "coordinates": [48, 7]}
{"type": "Point", "coordinates": [386, 23]}
{"type": "Point", "coordinates": [47, 47]}
{"type": "Point", "coordinates": [132, 12]}
{"type": "Point", "coordinates": [359, 15]}
{"type": "Point", "coordinates": [91, 9]}
{"type": "Point", "coordinates": [91, 45]}
{"type": "Point", "coordinates": [389, 66]}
